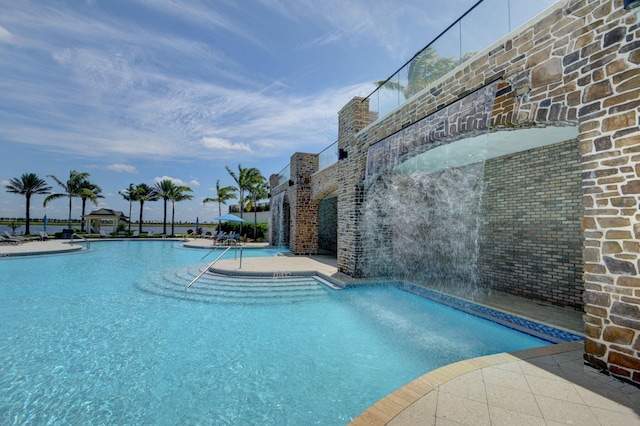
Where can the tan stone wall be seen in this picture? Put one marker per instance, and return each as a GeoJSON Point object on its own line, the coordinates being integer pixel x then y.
{"type": "Point", "coordinates": [577, 65]}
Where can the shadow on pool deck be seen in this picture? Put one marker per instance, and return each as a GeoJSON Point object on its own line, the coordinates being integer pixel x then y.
{"type": "Point", "coordinates": [548, 385]}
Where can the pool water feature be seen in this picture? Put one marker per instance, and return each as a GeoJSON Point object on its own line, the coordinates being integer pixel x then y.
{"type": "Point", "coordinates": [84, 341]}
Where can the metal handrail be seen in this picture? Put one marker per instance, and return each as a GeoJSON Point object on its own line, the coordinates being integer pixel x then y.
{"type": "Point", "coordinates": [81, 239]}
{"type": "Point", "coordinates": [209, 266]}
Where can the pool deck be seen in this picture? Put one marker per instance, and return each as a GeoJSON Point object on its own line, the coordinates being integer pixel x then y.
{"type": "Point", "coordinates": [541, 386]}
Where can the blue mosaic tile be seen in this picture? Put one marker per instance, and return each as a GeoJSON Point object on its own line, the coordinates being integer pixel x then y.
{"type": "Point", "coordinates": [546, 332]}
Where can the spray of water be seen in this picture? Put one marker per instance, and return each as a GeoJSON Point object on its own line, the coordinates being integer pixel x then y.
{"type": "Point", "coordinates": [424, 228]}
{"type": "Point", "coordinates": [278, 229]}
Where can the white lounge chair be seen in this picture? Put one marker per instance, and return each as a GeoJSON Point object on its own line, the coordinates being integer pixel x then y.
{"type": "Point", "coordinates": [10, 240]}
{"type": "Point", "coordinates": [43, 235]}
{"type": "Point", "coordinates": [136, 233]}
{"type": "Point", "coordinates": [15, 237]}
{"type": "Point", "coordinates": [104, 234]}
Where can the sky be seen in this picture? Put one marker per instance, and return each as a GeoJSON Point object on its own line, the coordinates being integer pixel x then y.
{"type": "Point", "coordinates": [136, 91]}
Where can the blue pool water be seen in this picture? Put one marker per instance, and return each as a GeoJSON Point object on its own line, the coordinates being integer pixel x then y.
{"type": "Point", "coordinates": [83, 344]}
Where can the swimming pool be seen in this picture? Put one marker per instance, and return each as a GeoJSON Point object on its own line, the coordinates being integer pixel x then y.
{"type": "Point", "coordinates": [82, 343]}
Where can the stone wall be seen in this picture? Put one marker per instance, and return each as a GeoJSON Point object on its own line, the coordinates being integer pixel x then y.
{"type": "Point", "coordinates": [303, 237]}
{"type": "Point", "coordinates": [531, 236]}
{"type": "Point", "coordinates": [328, 225]}
{"type": "Point", "coordinates": [578, 64]}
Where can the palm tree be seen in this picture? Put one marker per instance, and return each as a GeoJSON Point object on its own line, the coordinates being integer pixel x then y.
{"type": "Point", "coordinates": [128, 195]}
{"type": "Point", "coordinates": [246, 177]}
{"type": "Point", "coordinates": [177, 195]}
{"type": "Point", "coordinates": [222, 196]}
{"type": "Point", "coordinates": [28, 184]}
{"type": "Point", "coordinates": [142, 193]}
{"type": "Point", "coordinates": [88, 191]}
{"type": "Point", "coordinates": [71, 189]}
{"type": "Point", "coordinates": [257, 191]}
{"type": "Point", "coordinates": [165, 189]}
{"type": "Point", "coordinates": [425, 68]}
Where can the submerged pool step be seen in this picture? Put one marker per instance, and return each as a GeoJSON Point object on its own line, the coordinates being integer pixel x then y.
{"type": "Point", "coordinates": [214, 288]}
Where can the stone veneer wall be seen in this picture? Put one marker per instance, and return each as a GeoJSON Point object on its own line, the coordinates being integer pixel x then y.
{"type": "Point", "coordinates": [577, 64]}
{"type": "Point", "coordinates": [328, 224]}
{"type": "Point", "coordinates": [303, 237]}
{"type": "Point", "coordinates": [531, 236]}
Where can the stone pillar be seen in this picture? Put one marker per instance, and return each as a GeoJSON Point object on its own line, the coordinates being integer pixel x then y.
{"type": "Point", "coordinates": [352, 118]}
{"type": "Point", "coordinates": [609, 91]}
{"type": "Point", "coordinates": [304, 212]}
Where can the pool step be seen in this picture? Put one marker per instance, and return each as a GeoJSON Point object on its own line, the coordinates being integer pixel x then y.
{"type": "Point", "coordinates": [213, 288]}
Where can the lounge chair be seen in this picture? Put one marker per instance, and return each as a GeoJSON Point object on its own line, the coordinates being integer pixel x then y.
{"type": "Point", "coordinates": [136, 233]}
{"type": "Point", "coordinates": [15, 237]}
{"type": "Point", "coordinates": [150, 234]}
{"type": "Point", "coordinates": [44, 236]}
{"type": "Point", "coordinates": [10, 240]}
{"type": "Point", "coordinates": [103, 234]}
{"type": "Point", "coordinates": [220, 237]}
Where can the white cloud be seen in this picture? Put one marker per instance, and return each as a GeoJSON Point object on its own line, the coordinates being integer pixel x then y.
{"type": "Point", "coordinates": [194, 182]}
{"type": "Point", "coordinates": [176, 181]}
{"type": "Point", "coordinates": [225, 145]}
{"type": "Point", "coordinates": [5, 35]}
{"type": "Point", "coordinates": [122, 168]}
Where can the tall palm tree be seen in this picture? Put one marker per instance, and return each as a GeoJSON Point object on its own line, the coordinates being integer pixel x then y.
{"type": "Point", "coordinates": [177, 195]}
{"type": "Point", "coordinates": [28, 184]}
{"type": "Point", "coordinates": [128, 195]}
{"type": "Point", "coordinates": [71, 188]}
{"type": "Point", "coordinates": [165, 189]}
{"type": "Point", "coordinates": [246, 177]}
{"type": "Point", "coordinates": [142, 193]}
{"type": "Point", "coordinates": [257, 191]}
{"type": "Point", "coordinates": [88, 191]}
{"type": "Point", "coordinates": [223, 195]}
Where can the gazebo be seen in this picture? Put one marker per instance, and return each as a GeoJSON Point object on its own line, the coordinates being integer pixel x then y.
{"type": "Point", "coordinates": [94, 220]}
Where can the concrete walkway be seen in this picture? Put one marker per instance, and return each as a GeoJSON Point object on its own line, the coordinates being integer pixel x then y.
{"type": "Point", "coordinates": [542, 386]}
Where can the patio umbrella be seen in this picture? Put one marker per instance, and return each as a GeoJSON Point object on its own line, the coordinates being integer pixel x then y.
{"type": "Point", "coordinates": [45, 223]}
{"type": "Point", "coordinates": [197, 225]}
{"type": "Point", "coordinates": [230, 218]}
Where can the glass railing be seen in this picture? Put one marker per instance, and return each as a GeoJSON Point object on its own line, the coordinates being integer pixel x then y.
{"type": "Point", "coordinates": [284, 175]}
{"type": "Point", "coordinates": [328, 156]}
{"type": "Point", "coordinates": [486, 22]}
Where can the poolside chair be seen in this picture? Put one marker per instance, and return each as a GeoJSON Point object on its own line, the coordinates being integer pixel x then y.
{"type": "Point", "coordinates": [15, 237]}
{"type": "Point", "coordinates": [219, 237]}
{"type": "Point", "coordinates": [10, 240]}
{"type": "Point", "coordinates": [103, 234]}
{"type": "Point", "coordinates": [136, 234]}
{"type": "Point", "coordinates": [44, 236]}
{"type": "Point", "coordinates": [150, 234]}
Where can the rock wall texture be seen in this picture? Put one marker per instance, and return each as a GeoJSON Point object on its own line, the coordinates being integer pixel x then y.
{"type": "Point", "coordinates": [577, 65]}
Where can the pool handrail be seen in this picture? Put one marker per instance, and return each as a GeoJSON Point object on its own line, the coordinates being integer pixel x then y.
{"type": "Point", "coordinates": [207, 268]}
{"type": "Point", "coordinates": [76, 236]}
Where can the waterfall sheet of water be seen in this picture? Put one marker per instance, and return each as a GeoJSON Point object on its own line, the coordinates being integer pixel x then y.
{"type": "Point", "coordinates": [277, 220]}
{"type": "Point", "coordinates": [424, 227]}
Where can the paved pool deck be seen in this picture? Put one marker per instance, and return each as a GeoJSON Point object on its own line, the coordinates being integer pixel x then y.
{"type": "Point", "coordinates": [542, 386]}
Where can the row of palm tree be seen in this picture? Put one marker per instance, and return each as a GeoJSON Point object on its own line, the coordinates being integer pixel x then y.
{"type": "Point", "coordinates": [251, 185]}
{"type": "Point", "coordinates": [77, 185]}
{"type": "Point", "coordinates": [166, 189]}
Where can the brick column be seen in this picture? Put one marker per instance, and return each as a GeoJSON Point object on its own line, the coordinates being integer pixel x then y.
{"type": "Point", "coordinates": [304, 213]}
{"type": "Point", "coordinates": [352, 118]}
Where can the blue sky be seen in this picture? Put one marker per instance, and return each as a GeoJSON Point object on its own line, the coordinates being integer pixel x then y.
{"type": "Point", "coordinates": [134, 91]}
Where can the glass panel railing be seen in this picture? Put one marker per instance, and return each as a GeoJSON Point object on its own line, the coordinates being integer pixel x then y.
{"type": "Point", "coordinates": [486, 22]}
{"type": "Point", "coordinates": [284, 175]}
{"type": "Point", "coordinates": [328, 156]}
